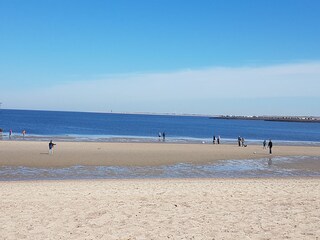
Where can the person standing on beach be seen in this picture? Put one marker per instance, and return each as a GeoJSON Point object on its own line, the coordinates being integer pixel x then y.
{"type": "Point", "coordinates": [242, 142]}
{"type": "Point", "coordinates": [214, 139]}
{"type": "Point", "coordinates": [23, 133]}
{"type": "Point", "coordinates": [10, 133]}
{"type": "Point", "coordinates": [159, 135]}
{"type": "Point", "coordinates": [218, 140]}
{"type": "Point", "coordinates": [163, 136]}
{"type": "Point", "coordinates": [264, 144]}
{"type": "Point", "coordinates": [51, 145]}
{"type": "Point", "coordinates": [239, 141]}
{"type": "Point", "coordinates": [270, 146]}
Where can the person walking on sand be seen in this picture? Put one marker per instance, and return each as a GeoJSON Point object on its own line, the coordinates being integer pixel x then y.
{"type": "Point", "coordinates": [51, 145]}
{"type": "Point", "coordinates": [214, 139]}
{"type": "Point", "coordinates": [10, 133]}
{"type": "Point", "coordinates": [270, 146]}
{"type": "Point", "coordinates": [218, 140]}
{"type": "Point", "coordinates": [159, 135]}
{"type": "Point", "coordinates": [163, 136]}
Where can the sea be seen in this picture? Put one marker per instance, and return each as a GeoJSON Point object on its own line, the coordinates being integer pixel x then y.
{"type": "Point", "coordinates": [119, 127]}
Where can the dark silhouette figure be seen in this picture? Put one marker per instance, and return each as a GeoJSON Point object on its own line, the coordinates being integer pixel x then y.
{"type": "Point", "coordinates": [270, 146]}
{"type": "Point", "coordinates": [239, 141]}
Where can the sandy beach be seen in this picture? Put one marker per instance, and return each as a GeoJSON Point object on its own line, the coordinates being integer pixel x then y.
{"type": "Point", "coordinates": [263, 208]}
{"type": "Point", "coordinates": [35, 154]}
{"type": "Point", "coordinates": [161, 209]}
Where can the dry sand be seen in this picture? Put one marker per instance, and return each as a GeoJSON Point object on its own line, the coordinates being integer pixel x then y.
{"type": "Point", "coordinates": [35, 154]}
{"type": "Point", "coordinates": [161, 209]}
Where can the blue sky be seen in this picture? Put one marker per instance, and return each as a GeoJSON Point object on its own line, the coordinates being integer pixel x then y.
{"type": "Point", "coordinates": [208, 57]}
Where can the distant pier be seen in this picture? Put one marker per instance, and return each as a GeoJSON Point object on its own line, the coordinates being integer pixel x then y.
{"type": "Point", "coordinates": [272, 118]}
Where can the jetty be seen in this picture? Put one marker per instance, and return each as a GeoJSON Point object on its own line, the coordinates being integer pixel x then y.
{"type": "Point", "coordinates": [310, 119]}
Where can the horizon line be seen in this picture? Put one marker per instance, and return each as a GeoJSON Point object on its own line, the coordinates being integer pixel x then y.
{"type": "Point", "coordinates": [163, 113]}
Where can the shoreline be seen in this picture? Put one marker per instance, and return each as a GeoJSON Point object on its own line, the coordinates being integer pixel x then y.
{"type": "Point", "coordinates": [144, 139]}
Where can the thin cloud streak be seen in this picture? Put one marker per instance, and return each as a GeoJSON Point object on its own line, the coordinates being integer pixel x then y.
{"type": "Point", "coordinates": [188, 91]}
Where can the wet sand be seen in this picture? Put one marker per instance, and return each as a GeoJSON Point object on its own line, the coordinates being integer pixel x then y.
{"type": "Point", "coordinates": [161, 209]}
{"type": "Point", "coordinates": [35, 154]}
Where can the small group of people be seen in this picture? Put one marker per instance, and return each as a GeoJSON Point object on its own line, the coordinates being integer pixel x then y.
{"type": "Point", "coordinates": [162, 136]}
{"type": "Point", "coordinates": [270, 145]}
{"type": "Point", "coordinates": [24, 132]}
{"type": "Point", "coordinates": [216, 140]}
{"type": "Point", "coordinates": [241, 142]}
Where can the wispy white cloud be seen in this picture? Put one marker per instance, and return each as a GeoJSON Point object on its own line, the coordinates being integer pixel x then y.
{"type": "Point", "coordinates": [193, 91]}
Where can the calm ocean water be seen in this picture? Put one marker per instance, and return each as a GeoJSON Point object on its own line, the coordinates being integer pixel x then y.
{"type": "Point", "coordinates": [135, 127]}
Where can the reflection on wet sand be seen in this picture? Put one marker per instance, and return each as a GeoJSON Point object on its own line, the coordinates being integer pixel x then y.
{"type": "Point", "coordinates": [258, 168]}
